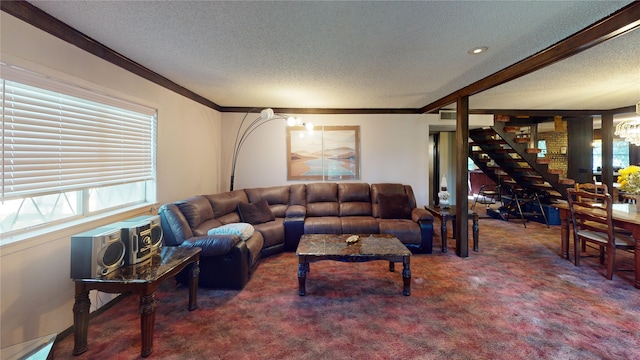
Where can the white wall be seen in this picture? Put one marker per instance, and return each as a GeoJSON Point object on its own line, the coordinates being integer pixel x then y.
{"type": "Point", "coordinates": [36, 293]}
{"type": "Point", "coordinates": [393, 148]}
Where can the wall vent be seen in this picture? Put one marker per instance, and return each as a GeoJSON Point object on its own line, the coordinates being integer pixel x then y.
{"type": "Point", "coordinates": [447, 114]}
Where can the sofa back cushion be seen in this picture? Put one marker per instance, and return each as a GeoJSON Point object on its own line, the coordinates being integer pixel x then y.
{"type": "Point", "coordinates": [390, 189]}
{"type": "Point", "coordinates": [298, 194]}
{"type": "Point", "coordinates": [196, 210]}
{"type": "Point", "coordinates": [255, 213]}
{"type": "Point", "coordinates": [354, 199]}
{"type": "Point", "coordinates": [322, 199]}
{"type": "Point", "coordinates": [277, 197]}
{"type": "Point", "coordinates": [225, 205]}
{"type": "Point", "coordinates": [394, 206]}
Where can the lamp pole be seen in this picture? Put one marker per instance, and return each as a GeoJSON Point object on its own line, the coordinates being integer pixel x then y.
{"type": "Point", "coordinates": [266, 115]}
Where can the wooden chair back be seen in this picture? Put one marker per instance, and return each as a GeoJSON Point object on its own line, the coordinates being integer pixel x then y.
{"type": "Point", "coordinates": [591, 213]}
{"type": "Point", "coordinates": [592, 187]}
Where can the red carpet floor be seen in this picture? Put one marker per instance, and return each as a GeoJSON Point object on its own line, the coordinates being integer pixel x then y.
{"type": "Point", "coordinates": [514, 299]}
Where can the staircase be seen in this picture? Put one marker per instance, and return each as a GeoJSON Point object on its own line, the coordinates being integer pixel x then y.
{"type": "Point", "coordinates": [503, 153]}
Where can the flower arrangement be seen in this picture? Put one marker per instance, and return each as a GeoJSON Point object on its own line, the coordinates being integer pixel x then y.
{"type": "Point", "coordinates": [629, 179]}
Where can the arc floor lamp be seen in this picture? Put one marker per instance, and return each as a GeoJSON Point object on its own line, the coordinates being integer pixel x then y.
{"type": "Point", "coordinates": [266, 116]}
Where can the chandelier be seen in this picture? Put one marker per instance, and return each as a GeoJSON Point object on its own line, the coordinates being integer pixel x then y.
{"type": "Point", "coordinates": [629, 130]}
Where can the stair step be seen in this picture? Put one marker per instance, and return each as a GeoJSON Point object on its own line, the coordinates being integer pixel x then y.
{"type": "Point", "coordinates": [485, 132]}
{"type": "Point", "coordinates": [543, 161]}
{"type": "Point", "coordinates": [505, 151]}
{"type": "Point", "coordinates": [554, 171]}
{"type": "Point", "coordinates": [533, 151]}
{"type": "Point", "coordinates": [511, 129]}
{"type": "Point", "coordinates": [501, 118]}
{"type": "Point", "coordinates": [522, 140]}
{"type": "Point", "coordinates": [566, 181]}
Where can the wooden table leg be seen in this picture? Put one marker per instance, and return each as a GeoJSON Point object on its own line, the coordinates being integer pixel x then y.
{"type": "Point", "coordinates": [303, 268]}
{"type": "Point", "coordinates": [147, 320]}
{"type": "Point", "coordinates": [193, 285]}
{"type": "Point", "coordinates": [443, 233]}
{"type": "Point", "coordinates": [564, 232]}
{"type": "Point", "coordinates": [406, 275]}
{"type": "Point", "coordinates": [636, 256]}
{"type": "Point", "coordinates": [476, 231]}
{"type": "Point", "coordinates": [80, 320]}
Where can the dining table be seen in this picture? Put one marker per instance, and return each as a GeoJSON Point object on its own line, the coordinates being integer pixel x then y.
{"type": "Point", "coordinates": [625, 216]}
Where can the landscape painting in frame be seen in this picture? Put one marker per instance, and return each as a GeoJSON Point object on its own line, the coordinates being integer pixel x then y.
{"type": "Point", "coordinates": [328, 153]}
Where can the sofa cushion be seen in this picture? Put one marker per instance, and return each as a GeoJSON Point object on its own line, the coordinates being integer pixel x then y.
{"type": "Point", "coordinates": [355, 199]}
{"type": "Point", "coordinates": [272, 232]}
{"type": "Point", "coordinates": [276, 196]}
{"type": "Point", "coordinates": [255, 213]}
{"type": "Point", "coordinates": [196, 210]}
{"type": "Point", "coordinates": [204, 227]}
{"type": "Point", "coordinates": [323, 225]}
{"type": "Point", "coordinates": [359, 225]}
{"type": "Point", "coordinates": [227, 202]}
{"type": "Point", "coordinates": [407, 231]}
{"type": "Point", "coordinates": [394, 206]}
{"type": "Point", "coordinates": [243, 230]}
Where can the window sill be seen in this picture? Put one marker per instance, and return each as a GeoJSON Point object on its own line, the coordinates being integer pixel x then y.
{"type": "Point", "coordinates": [35, 238]}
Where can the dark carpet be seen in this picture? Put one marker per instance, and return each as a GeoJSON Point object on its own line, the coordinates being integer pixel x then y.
{"type": "Point", "coordinates": [514, 299]}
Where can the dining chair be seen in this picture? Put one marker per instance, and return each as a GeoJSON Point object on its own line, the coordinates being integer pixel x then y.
{"type": "Point", "coordinates": [591, 216]}
{"type": "Point", "coordinates": [599, 189]}
{"type": "Point", "coordinates": [592, 187]}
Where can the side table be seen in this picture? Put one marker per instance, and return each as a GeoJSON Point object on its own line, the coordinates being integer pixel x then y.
{"type": "Point", "coordinates": [449, 213]}
{"type": "Point", "coordinates": [142, 279]}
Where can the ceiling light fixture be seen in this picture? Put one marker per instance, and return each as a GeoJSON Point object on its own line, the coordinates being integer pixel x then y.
{"type": "Point", "coordinates": [629, 129]}
{"type": "Point", "coordinates": [266, 115]}
{"type": "Point", "coordinates": [477, 50]}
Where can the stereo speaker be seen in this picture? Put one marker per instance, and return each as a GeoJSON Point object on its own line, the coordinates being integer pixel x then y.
{"type": "Point", "coordinates": [142, 237]}
{"type": "Point", "coordinates": [96, 252]}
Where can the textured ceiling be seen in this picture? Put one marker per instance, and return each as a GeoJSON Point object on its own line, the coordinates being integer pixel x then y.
{"type": "Point", "coordinates": [364, 54]}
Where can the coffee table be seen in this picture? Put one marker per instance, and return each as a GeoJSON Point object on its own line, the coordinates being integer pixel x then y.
{"type": "Point", "coordinates": [317, 247]}
{"type": "Point", "coordinates": [142, 279]}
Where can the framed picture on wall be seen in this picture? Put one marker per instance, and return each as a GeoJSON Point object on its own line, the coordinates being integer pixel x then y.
{"type": "Point", "coordinates": [329, 153]}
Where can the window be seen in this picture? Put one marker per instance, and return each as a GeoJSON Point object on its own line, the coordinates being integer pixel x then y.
{"type": "Point", "coordinates": [620, 154]}
{"type": "Point", "coordinates": [542, 145]}
{"type": "Point", "coordinates": [69, 153]}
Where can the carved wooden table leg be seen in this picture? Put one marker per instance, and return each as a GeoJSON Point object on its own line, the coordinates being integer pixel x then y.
{"type": "Point", "coordinates": [303, 269]}
{"type": "Point", "coordinates": [564, 233]}
{"type": "Point", "coordinates": [80, 320]}
{"type": "Point", "coordinates": [406, 275]}
{"type": "Point", "coordinates": [443, 233]}
{"type": "Point", "coordinates": [147, 320]}
{"type": "Point", "coordinates": [476, 231]}
{"type": "Point", "coordinates": [193, 285]}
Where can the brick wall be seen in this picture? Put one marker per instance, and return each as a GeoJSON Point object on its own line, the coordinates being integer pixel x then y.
{"type": "Point", "coordinates": [555, 141]}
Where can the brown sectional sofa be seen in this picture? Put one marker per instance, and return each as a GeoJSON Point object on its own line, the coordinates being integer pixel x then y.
{"type": "Point", "coordinates": [280, 215]}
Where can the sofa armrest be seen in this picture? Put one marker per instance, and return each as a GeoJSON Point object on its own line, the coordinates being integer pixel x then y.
{"type": "Point", "coordinates": [421, 215]}
{"type": "Point", "coordinates": [213, 245]}
{"type": "Point", "coordinates": [296, 211]}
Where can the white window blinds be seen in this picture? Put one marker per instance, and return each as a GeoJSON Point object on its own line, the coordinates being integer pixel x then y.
{"type": "Point", "coordinates": [54, 142]}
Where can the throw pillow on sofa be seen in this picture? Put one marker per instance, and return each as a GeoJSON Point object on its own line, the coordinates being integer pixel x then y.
{"type": "Point", "coordinates": [243, 230]}
{"type": "Point", "coordinates": [394, 206]}
{"type": "Point", "coordinates": [256, 213]}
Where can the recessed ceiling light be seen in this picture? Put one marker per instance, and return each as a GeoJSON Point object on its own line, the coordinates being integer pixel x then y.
{"type": "Point", "coordinates": [477, 50]}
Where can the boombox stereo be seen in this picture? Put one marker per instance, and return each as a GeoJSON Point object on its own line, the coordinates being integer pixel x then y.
{"type": "Point", "coordinates": [142, 236]}
{"type": "Point", "coordinates": [100, 251]}
{"type": "Point", "coordinates": [96, 252]}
